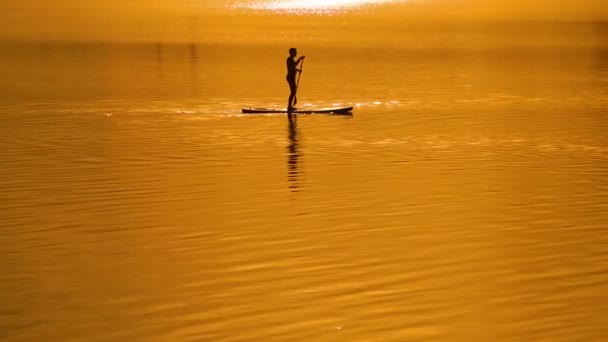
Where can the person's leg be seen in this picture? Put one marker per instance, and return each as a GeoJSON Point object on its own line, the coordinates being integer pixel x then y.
{"type": "Point", "coordinates": [292, 94]}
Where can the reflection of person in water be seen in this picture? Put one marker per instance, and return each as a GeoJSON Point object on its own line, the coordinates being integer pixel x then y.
{"type": "Point", "coordinates": [292, 70]}
{"type": "Point", "coordinates": [292, 153]}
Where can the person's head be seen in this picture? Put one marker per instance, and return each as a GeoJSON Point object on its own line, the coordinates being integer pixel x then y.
{"type": "Point", "coordinates": [293, 52]}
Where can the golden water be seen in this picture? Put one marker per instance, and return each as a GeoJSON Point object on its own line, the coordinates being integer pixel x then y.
{"type": "Point", "coordinates": [466, 198]}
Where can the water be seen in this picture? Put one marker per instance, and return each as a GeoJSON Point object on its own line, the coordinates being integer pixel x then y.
{"type": "Point", "coordinates": [465, 199]}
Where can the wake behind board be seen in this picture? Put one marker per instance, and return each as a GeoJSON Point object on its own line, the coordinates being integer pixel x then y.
{"type": "Point", "coordinates": [336, 110]}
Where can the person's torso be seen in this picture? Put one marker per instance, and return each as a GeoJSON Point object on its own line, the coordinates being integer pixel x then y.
{"type": "Point", "coordinates": [291, 68]}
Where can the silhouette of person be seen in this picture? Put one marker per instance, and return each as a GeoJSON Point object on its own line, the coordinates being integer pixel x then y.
{"type": "Point", "coordinates": [291, 76]}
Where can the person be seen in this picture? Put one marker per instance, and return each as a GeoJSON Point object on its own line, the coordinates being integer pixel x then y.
{"type": "Point", "coordinates": [292, 70]}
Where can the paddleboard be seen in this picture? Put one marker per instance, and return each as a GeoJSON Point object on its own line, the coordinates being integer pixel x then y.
{"type": "Point", "coordinates": [335, 110]}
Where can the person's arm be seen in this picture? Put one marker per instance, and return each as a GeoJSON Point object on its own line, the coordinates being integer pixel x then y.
{"type": "Point", "coordinates": [298, 62]}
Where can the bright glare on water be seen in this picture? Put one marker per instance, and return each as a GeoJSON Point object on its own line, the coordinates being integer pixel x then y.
{"type": "Point", "coordinates": [315, 5]}
{"type": "Point", "coordinates": [465, 198]}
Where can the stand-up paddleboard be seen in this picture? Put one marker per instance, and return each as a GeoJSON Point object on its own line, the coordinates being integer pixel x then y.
{"type": "Point", "coordinates": [335, 110]}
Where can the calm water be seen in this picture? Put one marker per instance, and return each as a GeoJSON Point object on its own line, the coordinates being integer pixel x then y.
{"type": "Point", "coordinates": [466, 199]}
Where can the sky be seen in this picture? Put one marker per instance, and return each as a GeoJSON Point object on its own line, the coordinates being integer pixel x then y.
{"type": "Point", "coordinates": [196, 19]}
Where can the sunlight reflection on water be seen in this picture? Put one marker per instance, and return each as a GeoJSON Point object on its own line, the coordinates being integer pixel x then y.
{"type": "Point", "coordinates": [317, 6]}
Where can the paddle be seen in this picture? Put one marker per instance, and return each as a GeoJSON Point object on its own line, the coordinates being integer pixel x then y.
{"type": "Point", "coordinates": [295, 98]}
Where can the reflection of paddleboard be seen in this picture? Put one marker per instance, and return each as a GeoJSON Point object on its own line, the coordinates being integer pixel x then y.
{"type": "Point", "coordinates": [336, 110]}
